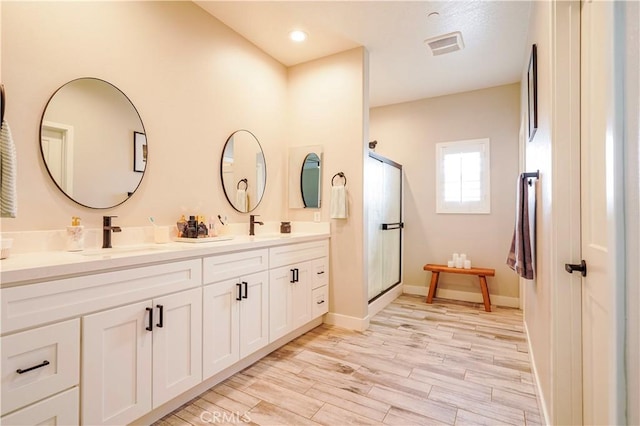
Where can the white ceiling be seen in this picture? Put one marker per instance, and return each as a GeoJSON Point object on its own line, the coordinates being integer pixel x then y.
{"type": "Point", "coordinates": [401, 67]}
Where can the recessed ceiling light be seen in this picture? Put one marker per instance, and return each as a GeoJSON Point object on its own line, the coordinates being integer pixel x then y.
{"type": "Point", "coordinates": [298, 35]}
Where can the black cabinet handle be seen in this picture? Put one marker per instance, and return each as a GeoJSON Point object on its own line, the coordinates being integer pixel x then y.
{"type": "Point", "coordinates": [26, 370]}
{"type": "Point", "coordinates": [150, 326]}
{"type": "Point", "coordinates": [239, 287]}
{"type": "Point", "coordinates": [320, 302]}
{"type": "Point", "coordinates": [320, 273]}
{"type": "Point", "coordinates": [293, 276]}
{"type": "Point", "coordinates": [160, 323]}
{"type": "Point", "coordinates": [246, 289]}
{"type": "Point", "coordinates": [297, 274]}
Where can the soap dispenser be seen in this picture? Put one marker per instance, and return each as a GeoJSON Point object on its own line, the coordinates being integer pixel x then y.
{"type": "Point", "coordinates": [75, 235]}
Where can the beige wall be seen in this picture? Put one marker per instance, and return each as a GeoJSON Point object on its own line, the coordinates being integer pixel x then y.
{"type": "Point", "coordinates": [407, 133]}
{"type": "Point", "coordinates": [327, 106]}
{"type": "Point", "coordinates": [192, 79]}
{"type": "Point", "coordinates": [538, 293]}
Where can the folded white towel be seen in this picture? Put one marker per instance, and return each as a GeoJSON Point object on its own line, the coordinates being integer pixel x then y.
{"type": "Point", "coordinates": [241, 200]}
{"type": "Point", "coordinates": [338, 202]}
{"type": "Point", "coordinates": [8, 164]}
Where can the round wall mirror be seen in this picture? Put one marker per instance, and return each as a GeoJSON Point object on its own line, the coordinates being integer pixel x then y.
{"type": "Point", "coordinates": [243, 171]}
{"type": "Point", "coordinates": [310, 181]}
{"type": "Point", "coordinates": [93, 143]}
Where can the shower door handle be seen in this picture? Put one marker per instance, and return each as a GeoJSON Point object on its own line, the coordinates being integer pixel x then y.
{"type": "Point", "coordinates": [390, 226]}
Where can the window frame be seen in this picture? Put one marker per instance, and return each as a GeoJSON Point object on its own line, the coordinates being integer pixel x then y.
{"type": "Point", "coordinates": [469, 207]}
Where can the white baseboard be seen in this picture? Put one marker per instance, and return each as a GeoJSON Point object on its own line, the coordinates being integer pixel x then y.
{"type": "Point", "coordinates": [465, 296]}
{"type": "Point", "coordinates": [384, 300]}
{"type": "Point", "coordinates": [345, 321]}
{"type": "Point", "coordinates": [542, 404]}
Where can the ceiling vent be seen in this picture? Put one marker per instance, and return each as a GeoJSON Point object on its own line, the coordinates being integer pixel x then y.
{"type": "Point", "coordinates": [445, 43]}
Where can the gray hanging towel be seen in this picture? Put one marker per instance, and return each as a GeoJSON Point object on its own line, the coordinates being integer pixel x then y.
{"type": "Point", "coordinates": [520, 257]}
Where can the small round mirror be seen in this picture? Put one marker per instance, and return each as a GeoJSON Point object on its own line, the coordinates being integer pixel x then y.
{"type": "Point", "coordinates": [93, 143]}
{"type": "Point", "coordinates": [243, 171]}
{"type": "Point", "coordinates": [310, 181]}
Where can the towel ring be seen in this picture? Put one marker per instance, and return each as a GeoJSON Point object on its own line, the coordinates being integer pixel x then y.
{"type": "Point", "coordinates": [340, 174]}
{"type": "Point", "coordinates": [2, 104]}
{"type": "Point", "coordinates": [246, 184]}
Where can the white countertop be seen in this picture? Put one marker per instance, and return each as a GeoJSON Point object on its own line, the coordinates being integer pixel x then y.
{"type": "Point", "coordinates": [28, 268]}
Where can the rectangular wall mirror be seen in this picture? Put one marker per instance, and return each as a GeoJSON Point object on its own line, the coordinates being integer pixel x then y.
{"type": "Point", "coordinates": [305, 177]}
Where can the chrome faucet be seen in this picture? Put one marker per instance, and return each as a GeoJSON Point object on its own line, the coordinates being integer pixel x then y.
{"type": "Point", "coordinates": [106, 231]}
{"type": "Point", "coordinates": [252, 224]}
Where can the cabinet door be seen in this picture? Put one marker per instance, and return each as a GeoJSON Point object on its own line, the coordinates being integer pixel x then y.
{"type": "Point", "coordinates": [254, 313]}
{"type": "Point", "coordinates": [116, 365]}
{"type": "Point", "coordinates": [301, 295]}
{"type": "Point", "coordinates": [220, 347]}
{"type": "Point", "coordinates": [280, 282]}
{"type": "Point", "coordinates": [177, 344]}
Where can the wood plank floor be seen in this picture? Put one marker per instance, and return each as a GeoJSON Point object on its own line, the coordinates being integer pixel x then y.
{"type": "Point", "coordinates": [417, 364]}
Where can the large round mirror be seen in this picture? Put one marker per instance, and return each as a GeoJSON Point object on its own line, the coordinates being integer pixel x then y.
{"type": "Point", "coordinates": [243, 171]}
{"type": "Point", "coordinates": [93, 143]}
{"type": "Point", "coordinates": [310, 181]}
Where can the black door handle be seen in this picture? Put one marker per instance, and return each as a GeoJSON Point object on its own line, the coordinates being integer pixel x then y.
{"type": "Point", "coordinates": [582, 267]}
{"type": "Point", "coordinates": [246, 289]}
{"type": "Point", "coordinates": [297, 275]}
{"type": "Point", "coordinates": [239, 287]}
{"type": "Point", "coordinates": [293, 276]}
{"type": "Point", "coordinates": [160, 323]}
{"type": "Point", "coordinates": [389, 226]}
{"type": "Point", "coordinates": [150, 326]}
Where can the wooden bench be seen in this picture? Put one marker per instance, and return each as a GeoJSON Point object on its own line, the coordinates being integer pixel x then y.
{"type": "Point", "coordinates": [482, 273]}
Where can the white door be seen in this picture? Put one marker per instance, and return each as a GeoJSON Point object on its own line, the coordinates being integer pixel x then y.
{"type": "Point", "coordinates": [280, 322]}
{"type": "Point", "coordinates": [220, 327]}
{"type": "Point", "coordinates": [301, 295]}
{"type": "Point", "coordinates": [599, 145]}
{"type": "Point", "coordinates": [177, 344]}
{"type": "Point", "coordinates": [254, 313]}
{"type": "Point", "coordinates": [116, 365]}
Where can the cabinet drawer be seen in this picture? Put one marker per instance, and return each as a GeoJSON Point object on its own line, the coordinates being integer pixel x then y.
{"type": "Point", "coordinates": [320, 272]}
{"type": "Point", "coordinates": [36, 304]}
{"type": "Point", "coordinates": [294, 253]}
{"type": "Point", "coordinates": [226, 266]}
{"type": "Point", "coordinates": [53, 350]}
{"type": "Point", "coordinates": [320, 301]}
{"type": "Point", "coordinates": [62, 409]}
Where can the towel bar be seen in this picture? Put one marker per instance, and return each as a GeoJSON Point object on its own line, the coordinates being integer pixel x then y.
{"type": "Point", "coordinates": [527, 175]}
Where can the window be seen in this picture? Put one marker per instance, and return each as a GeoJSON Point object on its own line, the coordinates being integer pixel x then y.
{"type": "Point", "coordinates": [462, 177]}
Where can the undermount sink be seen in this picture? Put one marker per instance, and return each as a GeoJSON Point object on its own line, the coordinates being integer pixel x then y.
{"type": "Point", "coordinates": [122, 250]}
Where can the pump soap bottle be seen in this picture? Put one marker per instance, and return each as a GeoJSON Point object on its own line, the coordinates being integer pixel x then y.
{"type": "Point", "coordinates": [75, 235]}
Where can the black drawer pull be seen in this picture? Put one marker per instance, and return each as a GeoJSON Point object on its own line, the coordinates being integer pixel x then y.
{"type": "Point", "coordinates": [26, 370]}
{"type": "Point", "coordinates": [320, 302]}
{"type": "Point", "coordinates": [150, 326]}
{"type": "Point", "coordinates": [160, 323]}
{"type": "Point", "coordinates": [239, 287]}
{"type": "Point", "coordinates": [246, 289]}
{"type": "Point", "coordinates": [320, 273]}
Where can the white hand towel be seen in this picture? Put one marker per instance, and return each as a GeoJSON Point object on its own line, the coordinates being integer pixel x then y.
{"type": "Point", "coordinates": [338, 202]}
{"type": "Point", "coordinates": [8, 164]}
{"type": "Point", "coordinates": [241, 200]}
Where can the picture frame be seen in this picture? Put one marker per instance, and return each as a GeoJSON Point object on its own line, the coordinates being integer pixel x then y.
{"type": "Point", "coordinates": [532, 92]}
{"type": "Point", "coordinates": [139, 152]}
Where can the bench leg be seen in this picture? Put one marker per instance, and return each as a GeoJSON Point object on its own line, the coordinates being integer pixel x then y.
{"type": "Point", "coordinates": [432, 286]}
{"type": "Point", "coordinates": [485, 293]}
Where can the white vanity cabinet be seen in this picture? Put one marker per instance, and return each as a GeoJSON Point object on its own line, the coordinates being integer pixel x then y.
{"type": "Point", "coordinates": [292, 278]}
{"type": "Point", "coordinates": [139, 356]}
{"type": "Point", "coordinates": [236, 309]}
